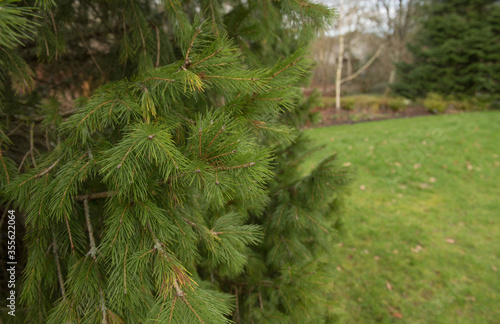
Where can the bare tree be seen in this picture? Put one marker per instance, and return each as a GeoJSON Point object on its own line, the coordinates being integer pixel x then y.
{"type": "Point", "coordinates": [352, 20]}
{"type": "Point", "coordinates": [396, 20]}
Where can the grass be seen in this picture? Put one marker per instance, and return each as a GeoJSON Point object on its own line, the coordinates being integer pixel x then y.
{"type": "Point", "coordinates": [421, 237]}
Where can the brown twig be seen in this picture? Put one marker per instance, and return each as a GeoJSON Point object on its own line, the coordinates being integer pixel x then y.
{"type": "Point", "coordinates": [58, 265]}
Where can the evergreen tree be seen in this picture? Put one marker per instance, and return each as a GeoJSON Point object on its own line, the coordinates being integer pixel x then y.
{"type": "Point", "coordinates": [160, 198]}
{"type": "Point", "coordinates": [457, 51]}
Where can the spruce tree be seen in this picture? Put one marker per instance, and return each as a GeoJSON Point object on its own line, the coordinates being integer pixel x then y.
{"type": "Point", "coordinates": [457, 51]}
{"type": "Point", "coordinates": [175, 193]}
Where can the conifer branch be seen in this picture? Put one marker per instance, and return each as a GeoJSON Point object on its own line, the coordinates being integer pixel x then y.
{"type": "Point", "coordinates": [58, 265]}
{"type": "Point", "coordinates": [236, 167]}
{"type": "Point", "coordinates": [187, 62]}
{"type": "Point", "coordinates": [41, 173]}
{"type": "Point", "coordinates": [69, 183]}
{"type": "Point", "coordinates": [69, 233]}
{"type": "Point", "coordinates": [232, 143]}
{"type": "Point", "coordinates": [103, 307]}
{"type": "Point", "coordinates": [126, 154]}
{"type": "Point", "coordinates": [220, 155]}
{"type": "Point", "coordinates": [22, 161]}
{"type": "Point", "coordinates": [32, 146]}
{"type": "Point", "coordinates": [92, 252]}
{"type": "Point", "coordinates": [4, 215]}
{"type": "Point", "coordinates": [315, 222]}
{"type": "Point", "coordinates": [55, 30]}
{"type": "Point", "coordinates": [97, 195]}
{"type": "Point", "coordinates": [237, 315]}
{"type": "Point", "coordinates": [120, 225]}
{"type": "Point", "coordinates": [207, 58]}
{"type": "Point", "coordinates": [192, 122]}
{"type": "Point", "coordinates": [218, 133]}
{"type": "Point", "coordinates": [158, 78]}
{"type": "Point", "coordinates": [93, 110]}
{"type": "Point", "coordinates": [199, 133]}
{"type": "Point", "coordinates": [157, 46]}
{"type": "Point", "coordinates": [168, 153]}
{"type": "Point", "coordinates": [125, 271]}
{"type": "Point", "coordinates": [269, 99]}
{"type": "Point", "coordinates": [229, 78]}
{"type": "Point", "coordinates": [93, 247]}
{"type": "Point", "coordinates": [140, 30]}
{"type": "Point", "coordinates": [4, 166]}
{"type": "Point", "coordinates": [285, 68]}
{"type": "Point", "coordinates": [258, 123]}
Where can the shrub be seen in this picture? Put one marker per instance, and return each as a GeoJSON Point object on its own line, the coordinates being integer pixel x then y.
{"type": "Point", "coordinates": [435, 103]}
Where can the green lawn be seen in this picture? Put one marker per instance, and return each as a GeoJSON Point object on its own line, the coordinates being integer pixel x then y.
{"type": "Point", "coordinates": [421, 234]}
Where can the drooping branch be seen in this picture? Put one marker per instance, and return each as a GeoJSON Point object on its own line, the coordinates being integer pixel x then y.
{"type": "Point", "coordinates": [364, 67]}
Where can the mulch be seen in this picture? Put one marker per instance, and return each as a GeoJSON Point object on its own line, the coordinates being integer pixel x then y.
{"type": "Point", "coordinates": [330, 116]}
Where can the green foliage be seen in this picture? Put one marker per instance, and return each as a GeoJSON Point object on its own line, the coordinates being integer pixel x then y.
{"type": "Point", "coordinates": [303, 113]}
{"type": "Point", "coordinates": [173, 192]}
{"type": "Point", "coordinates": [373, 103]}
{"type": "Point", "coordinates": [456, 52]}
{"type": "Point", "coordinates": [435, 103]}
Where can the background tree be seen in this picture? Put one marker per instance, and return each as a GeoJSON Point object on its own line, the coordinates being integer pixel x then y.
{"type": "Point", "coordinates": [150, 200]}
{"type": "Point", "coordinates": [396, 21]}
{"type": "Point", "coordinates": [456, 52]}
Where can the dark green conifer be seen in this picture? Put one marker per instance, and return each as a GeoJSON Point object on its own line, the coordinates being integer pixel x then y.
{"type": "Point", "coordinates": [457, 52]}
{"type": "Point", "coordinates": [173, 193]}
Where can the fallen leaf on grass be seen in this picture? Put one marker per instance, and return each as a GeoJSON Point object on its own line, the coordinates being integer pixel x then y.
{"type": "Point", "coordinates": [424, 185]}
{"type": "Point", "coordinates": [432, 180]}
{"type": "Point", "coordinates": [450, 240]}
{"type": "Point", "coordinates": [347, 164]}
{"type": "Point", "coordinates": [398, 315]}
{"type": "Point", "coordinates": [388, 285]}
{"type": "Point", "coordinates": [417, 249]}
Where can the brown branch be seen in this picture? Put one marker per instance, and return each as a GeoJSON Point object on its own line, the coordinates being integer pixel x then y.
{"type": "Point", "coordinates": [58, 265]}
{"type": "Point", "coordinates": [157, 46]}
{"type": "Point", "coordinates": [220, 155]}
{"type": "Point", "coordinates": [364, 67]}
{"type": "Point", "coordinates": [96, 195]}
{"type": "Point", "coordinates": [93, 247]}
{"type": "Point", "coordinates": [32, 146]}
{"type": "Point", "coordinates": [230, 78]}
{"type": "Point", "coordinates": [218, 133]}
{"type": "Point", "coordinates": [237, 167]}
{"type": "Point", "coordinates": [125, 271]}
{"type": "Point", "coordinates": [69, 233]}
{"type": "Point", "coordinates": [187, 62]}
{"type": "Point", "coordinates": [4, 167]}
{"type": "Point", "coordinates": [206, 58]}
{"type": "Point", "coordinates": [158, 78]}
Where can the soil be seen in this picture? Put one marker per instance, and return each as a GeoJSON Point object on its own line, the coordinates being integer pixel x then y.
{"type": "Point", "coordinates": [330, 116]}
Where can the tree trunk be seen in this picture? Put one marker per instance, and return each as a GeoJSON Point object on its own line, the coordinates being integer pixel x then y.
{"type": "Point", "coordinates": [338, 76]}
